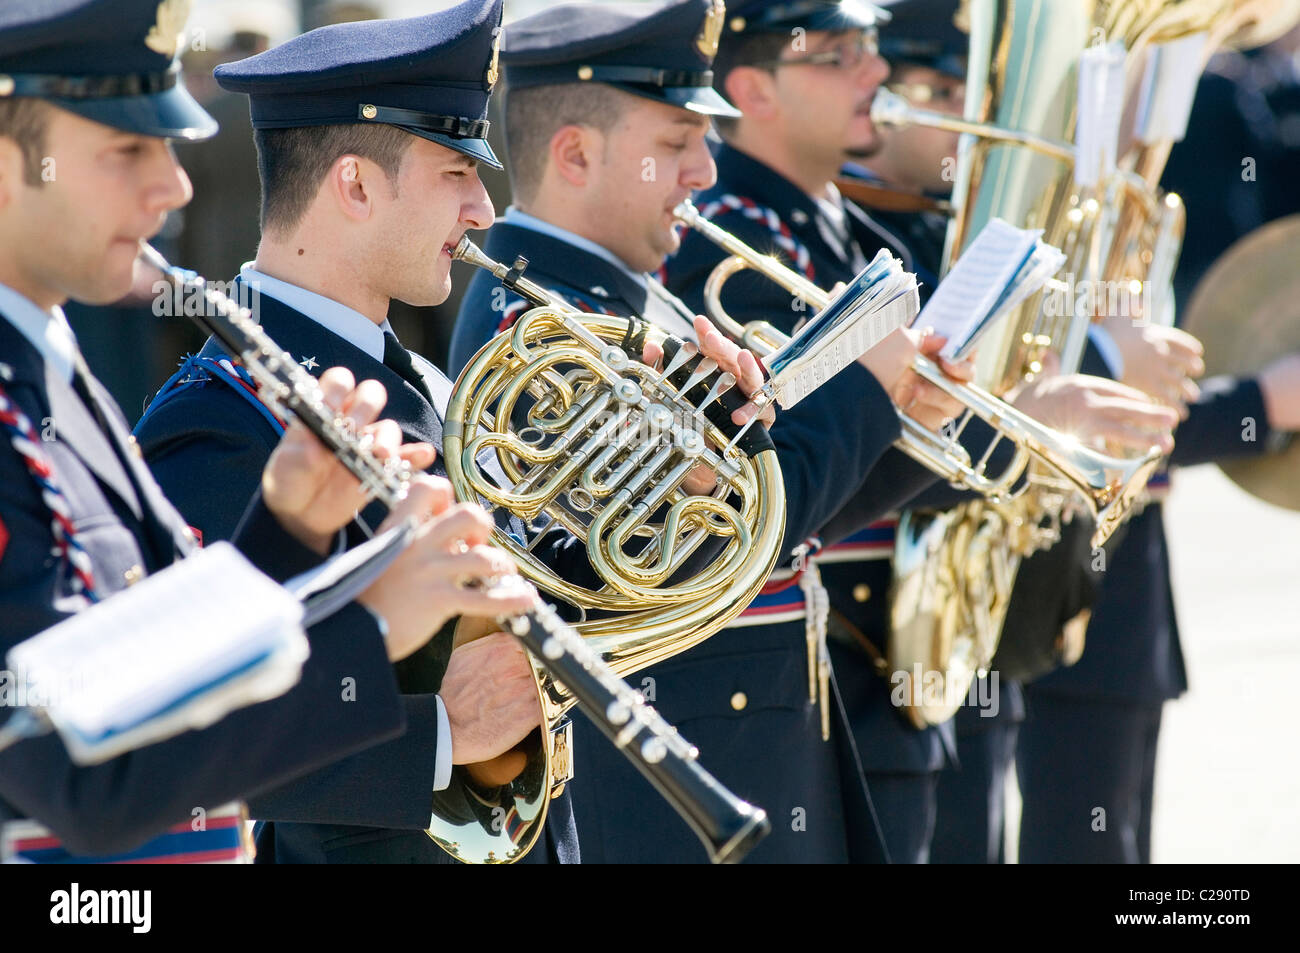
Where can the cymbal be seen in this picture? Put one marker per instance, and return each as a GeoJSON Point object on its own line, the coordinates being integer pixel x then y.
{"type": "Point", "coordinates": [1246, 311]}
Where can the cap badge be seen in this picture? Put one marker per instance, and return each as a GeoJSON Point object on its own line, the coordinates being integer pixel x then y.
{"type": "Point", "coordinates": [493, 72]}
{"type": "Point", "coordinates": [168, 32]}
{"type": "Point", "coordinates": [711, 32]}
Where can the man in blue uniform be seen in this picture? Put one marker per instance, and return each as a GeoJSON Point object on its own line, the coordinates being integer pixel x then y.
{"type": "Point", "coordinates": [606, 115]}
{"type": "Point", "coordinates": [905, 186]}
{"type": "Point", "coordinates": [804, 75]}
{"type": "Point", "coordinates": [89, 95]}
{"type": "Point", "coordinates": [369, 138]}
{"type": "Point", "coordinates": [1086, 752]}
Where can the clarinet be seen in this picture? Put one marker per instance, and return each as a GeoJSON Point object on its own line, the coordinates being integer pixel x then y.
{"type": "Point", "coordinates": [727, 825]}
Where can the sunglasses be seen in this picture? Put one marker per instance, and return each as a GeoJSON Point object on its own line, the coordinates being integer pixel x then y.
{"type": "Point", "coordinates": [848, 54]}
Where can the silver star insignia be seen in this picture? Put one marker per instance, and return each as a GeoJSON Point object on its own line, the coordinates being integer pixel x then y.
{"type": "Point", "coordinates": [309, 363]}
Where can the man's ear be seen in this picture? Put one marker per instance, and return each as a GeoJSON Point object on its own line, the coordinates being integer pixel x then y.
{"type": "Point", "coordinates": [752, 91]}
{"type": "Point", "coordinates": [573, 149]}
{"type": "Point", "coordinates": [351, 183]}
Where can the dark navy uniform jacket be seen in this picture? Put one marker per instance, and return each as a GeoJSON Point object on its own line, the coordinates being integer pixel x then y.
{"type": "Point", "coordinates": [124, 521]}
{"type": "Point", "coordinates": [741, 696]}
{"type": "Point", "coordinates": [765, 210]}
{"type": "Point", "coordinates": [372, 807]}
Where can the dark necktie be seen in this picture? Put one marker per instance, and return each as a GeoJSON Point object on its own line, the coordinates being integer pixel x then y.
{"type": "Point", "coordinates": [398, 360]}
{"type": "Point", "coordinates": [156, 531]}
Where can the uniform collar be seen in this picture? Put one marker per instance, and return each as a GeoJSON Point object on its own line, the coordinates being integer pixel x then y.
{"type": "Point", "coordinates": [551, 252]}
{"type": "Point", "coordinates": [531, 222]}
{"type": "Point", "coordinates": [746, 175]}
{"type": "Point", "coordinates": [48, 331]}
{"type": "Point", "coordinates": [349, 324]}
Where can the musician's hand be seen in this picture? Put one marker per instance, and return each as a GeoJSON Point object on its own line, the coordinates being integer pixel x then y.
{"type": "Point", "coordinates": [890, 362]}
{"type": "Point", "coordinates": [1159, 361]}
{"type": "Point", "coordinates": [1279, 383]}
{"type": "Point", "coordinates": [1098, 411]}
{"type": "Point", "coordinates": [491, 699]}
{"type": "Point", "coordinates": [731, 357]}
{"type": "Point", "coordinates": [741, 364]}
{"type": "Point", "coordinates": [304, 485]}
{"type": "Point", "coordinates": [428, 583]}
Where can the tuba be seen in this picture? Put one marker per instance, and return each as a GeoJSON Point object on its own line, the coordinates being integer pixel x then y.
{"type": "Point", "coordinates": [1015, 161]}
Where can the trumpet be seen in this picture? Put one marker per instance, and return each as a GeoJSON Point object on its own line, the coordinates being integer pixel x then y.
{"type": "Point", "coordinates": [1108, 485]}
{"type": "Point", "coordinates": [508, 820]}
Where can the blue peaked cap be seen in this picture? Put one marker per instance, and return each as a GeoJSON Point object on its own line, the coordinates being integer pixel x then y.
{"type": "Point", "coordinates": [430, 75]}
{"type": "Point", "coordinates": [110, 61]}
{"type": "Point", "coordinates": [661, 51]}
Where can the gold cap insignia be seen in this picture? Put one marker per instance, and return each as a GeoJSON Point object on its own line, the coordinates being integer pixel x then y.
{"type": "Point", "coordinates": [711, 32]}
{"type": "Point", "coordinates": [168, 32]}
{"type": "Point", "coordinates": [493, 73]}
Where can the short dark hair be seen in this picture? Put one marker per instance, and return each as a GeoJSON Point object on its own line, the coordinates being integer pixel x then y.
{"type": "Point", "coordinates": [535, 114]}
{"type": "Point", "coordinates": [26, 121]}
{"type": "Point", "coordinates": [292, 162]}
{"type": "Point", "coordinates": [743, 51]}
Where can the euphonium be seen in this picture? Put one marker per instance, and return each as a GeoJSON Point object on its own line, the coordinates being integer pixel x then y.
{"type": "Point", "coordinates": [558, 422]}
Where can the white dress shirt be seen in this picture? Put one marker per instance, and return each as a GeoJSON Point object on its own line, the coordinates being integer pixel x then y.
{"type": "Point", "coordinates": [359, 331]}
{"type": "Point", "coordinates": [48, 331]}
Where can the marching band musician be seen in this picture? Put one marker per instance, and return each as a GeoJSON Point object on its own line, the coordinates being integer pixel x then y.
{"type": "Point", "coordinates": [607, 109]}
{"type": "Point", "coordinates": [804, 75]}
{"type": "Point", "coordinates": [1107, 707]}
{"type": "Point", "coordinates": [370, 136]}
{"type": "Point", "coordinates": [90, 95]}
{"type": "Point", "coordinates": [926, 53]}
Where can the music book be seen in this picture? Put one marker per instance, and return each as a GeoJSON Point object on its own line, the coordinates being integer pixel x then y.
{"type": "Point", "coordinates": [881, 298]}
{"type": "Point", "coordinates": [181, 648]}
{"type": "Point", "coordinates": [1100, 109]}
{"type": "Point", "coordinates": [998, 270]}
{"type": "Point", "coordinates": [1168, 86]}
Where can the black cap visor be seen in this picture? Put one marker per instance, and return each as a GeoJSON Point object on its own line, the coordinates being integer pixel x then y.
{"type": "Point", "coordinates": [170, 114]}
{"type": "Point", "coordinates": [474, 148]}
{"type": "Point", "coordinates": [698, 99]}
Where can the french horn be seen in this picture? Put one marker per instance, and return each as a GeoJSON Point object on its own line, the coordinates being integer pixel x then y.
{"type": "Point", "coordinates": [559, 422]}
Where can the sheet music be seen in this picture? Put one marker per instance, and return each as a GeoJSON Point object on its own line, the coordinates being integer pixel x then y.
{"type": "Point", "coordinates": [176, 651]}
{"type": "Point", "coordinates": [1100, 110]}
{"type": "Point", "coordinates": [1168, 88]}
{"type": "Point", "coordinates": [878, 300]}
{"type": "Point", "coordinates": [1000, 268]}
